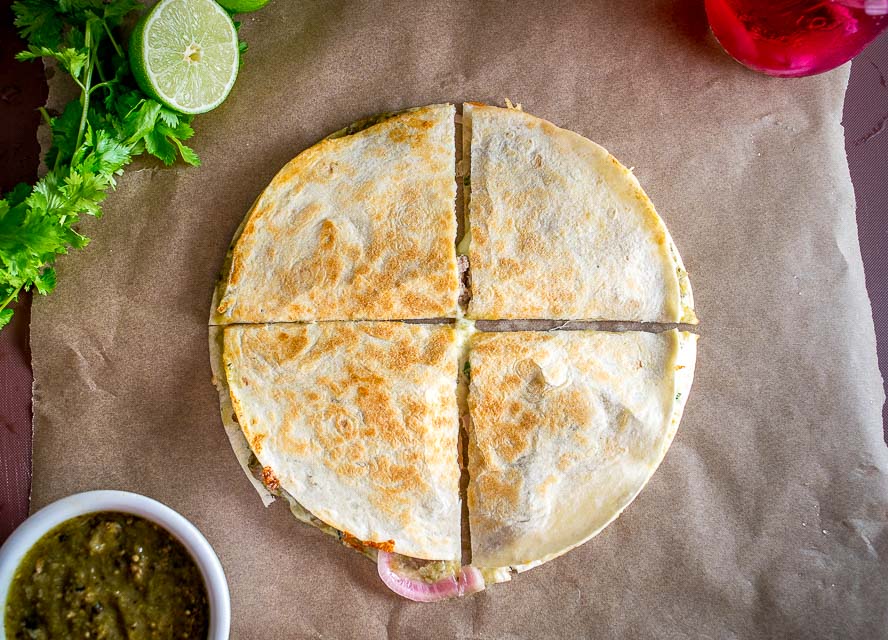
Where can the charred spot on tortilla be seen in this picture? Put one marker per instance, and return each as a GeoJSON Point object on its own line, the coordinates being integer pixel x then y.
{"type": "Point", "coordinates": [269, 479]}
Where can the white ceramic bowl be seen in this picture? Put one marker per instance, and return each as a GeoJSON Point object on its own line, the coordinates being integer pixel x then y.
{"type": "Point", "coordinates": [52, 515]}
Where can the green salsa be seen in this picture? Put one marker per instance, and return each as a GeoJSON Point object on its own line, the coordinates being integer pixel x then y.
{"type": "Point", "coordinates": [104, 576]}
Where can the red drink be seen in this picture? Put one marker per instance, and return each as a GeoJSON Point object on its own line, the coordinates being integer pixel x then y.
{"type": "Point", "coordinates": [791, 38]}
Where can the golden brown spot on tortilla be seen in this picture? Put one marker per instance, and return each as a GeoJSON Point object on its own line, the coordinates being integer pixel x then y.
{"type": "Point", "coordinates": [256, 442]}
{"type": "Point", "coordinates": [288, 345]}
{"type": "Point", "coordinates": [375, 405]}
{"type": "Point", "coordinates": [292, 170]}
{"type": "Point", "coordinates": [573, 409]}
{"type": "Point", "coordinates": [411, 254]}
{"type": "Point", "coordinates": [545, 484]}
{"type": "Point", "coordinates": [511, 441]}
{"type": "Point", "coordinates": [508, 264]}
{"type": "Point", "coordinates": [511, 381]}
{"type": "Point", "coordinates": [345, 426]}
{"type": "Point", "coordinates": [350, 470]}
{"type": "Point", "coordinates": [490, 409]}
{"type": "Point", "coordinates": [328, 234]}
{"type": "Point", "coordinates": [234, 276]}
{"type": "Point", "coordinates": [331, 343]}
{"type": "Point", "coordinates": [399, 135]}
{"type": "Point", "coordinates": [336, 387]}
{"type": "Point", "coordinates": [402, 356]}
{"type": "Point", "coordinates": [270, 480]}
{"type": "Point", "coordinates": [383, 331]}
{"type": "Point", "coordinates": [611, 448]}
{"type": "Point", "coordinates": [294, 446]}
{"type": "Point", "coordinates": [436, 349]}
{"type": "Point", "coordinates": [396, 476]}
{"type": "Point", "coordinates": [502, 492]}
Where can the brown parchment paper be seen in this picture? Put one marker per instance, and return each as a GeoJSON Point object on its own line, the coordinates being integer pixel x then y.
{"type": "Point", "coordinates": [768, 516]}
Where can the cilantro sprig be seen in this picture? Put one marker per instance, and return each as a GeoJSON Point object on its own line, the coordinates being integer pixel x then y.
{"type": "Point", "coordinates": [93, 138]}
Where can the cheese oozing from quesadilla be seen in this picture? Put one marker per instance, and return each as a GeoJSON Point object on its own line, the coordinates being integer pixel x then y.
{"type": "Point", "coordinates": [566, 428]}
{"type": "Point", "coordinates": [358, 422]}
{"type": "Point", "coordinates": [357, 227]}
{"type": "Point", "coordinates": [559, 229]}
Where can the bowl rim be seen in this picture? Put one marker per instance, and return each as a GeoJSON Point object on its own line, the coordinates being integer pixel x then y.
{"type": "Point", "coordinates": [31, 530]}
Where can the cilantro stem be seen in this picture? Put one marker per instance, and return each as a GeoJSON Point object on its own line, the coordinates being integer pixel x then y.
{"type": "Point", "coordinates": [45, 115]}
{"type": "Point", "coordinates": [111, 38]}
{"type": "Point", "coordinates": [10, 298]}
{"type": "Point", "coordinates": [84, 98]}
{"type": "Point", "coordinates": [107, 83]}
{"type": "Point", "coordinates": [99, 71]}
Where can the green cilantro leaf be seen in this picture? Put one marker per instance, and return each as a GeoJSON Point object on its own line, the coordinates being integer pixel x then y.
{"type": "Point", "coordinates": [38, 22]}
{"type": "Point", "coordinates": [5, 317]}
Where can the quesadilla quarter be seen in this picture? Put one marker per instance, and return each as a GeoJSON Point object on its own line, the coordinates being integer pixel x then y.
{"type": "Point", "coordinates": [360, 226]}
{"type": "Point", "coordinates": [358, 422]}
{"type": "Point", "coordinates": [559, 229]}
{"type": "Point", "coordinates": [566, 428]}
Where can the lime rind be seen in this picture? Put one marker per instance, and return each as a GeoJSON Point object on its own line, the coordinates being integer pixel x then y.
{"type": "Point", "coordinates": [243, 6]}
{"type": "Point", "coordinates": [185, 54]}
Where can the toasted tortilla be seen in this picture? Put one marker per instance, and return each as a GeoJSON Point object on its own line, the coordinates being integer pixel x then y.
{"type": "Point", "coordinates": [559, 229]}
{"type": "Point", "coordinates": [236, 438]}
{"type": "Point", "coordinates": [360, 226]}
{"type": "Point", "coordinates": [566, 428]}
{"type": "Point", "coordinates": [358, 422]}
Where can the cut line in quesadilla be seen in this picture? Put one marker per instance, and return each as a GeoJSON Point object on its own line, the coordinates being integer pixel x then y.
{"type": "Point", "coordinates": [559, 229]}
{"type": "Point", "coordinates": [566, 428]}
{"type": "Point", "coordinates": [360, 226]}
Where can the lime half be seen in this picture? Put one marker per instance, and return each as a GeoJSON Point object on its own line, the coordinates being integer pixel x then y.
{"type": "Point", "coordinates": [243, 6]}
{"type": "Point", "coordinates": [184, 53]}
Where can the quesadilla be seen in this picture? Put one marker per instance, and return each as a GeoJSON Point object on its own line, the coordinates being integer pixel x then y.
{"type": "Point", "coordinates": [354, 421]}
{"type": "Point", "coordinates": [566, 428]}
{"type": "Point", "coordinates": [360, 226]}
{"type": "Point", "coordinates": [559, 229]}
{"type": "Point", "coordinates": [358, 423]}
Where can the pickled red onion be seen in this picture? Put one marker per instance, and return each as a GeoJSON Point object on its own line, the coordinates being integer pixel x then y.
{"type": "Point", "coordinates": [468, 581]}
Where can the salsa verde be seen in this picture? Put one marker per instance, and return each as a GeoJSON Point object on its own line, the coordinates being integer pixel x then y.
{"type": "Point", "coordinates": [104, 576]}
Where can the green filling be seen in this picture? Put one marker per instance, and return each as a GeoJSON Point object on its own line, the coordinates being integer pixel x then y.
{"type": "Point", "coordinates": [424, 570]}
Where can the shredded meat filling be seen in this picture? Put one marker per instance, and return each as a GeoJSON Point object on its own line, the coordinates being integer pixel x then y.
{"type": "Point", "coordinates": [465, 280]}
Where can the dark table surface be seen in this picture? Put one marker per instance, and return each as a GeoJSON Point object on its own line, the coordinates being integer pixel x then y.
{"type": "Point", "coordinates": [23, 89]}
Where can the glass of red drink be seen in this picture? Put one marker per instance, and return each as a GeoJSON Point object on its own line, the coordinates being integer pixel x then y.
{"type": "Point", "coordinates": [792, 38]}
